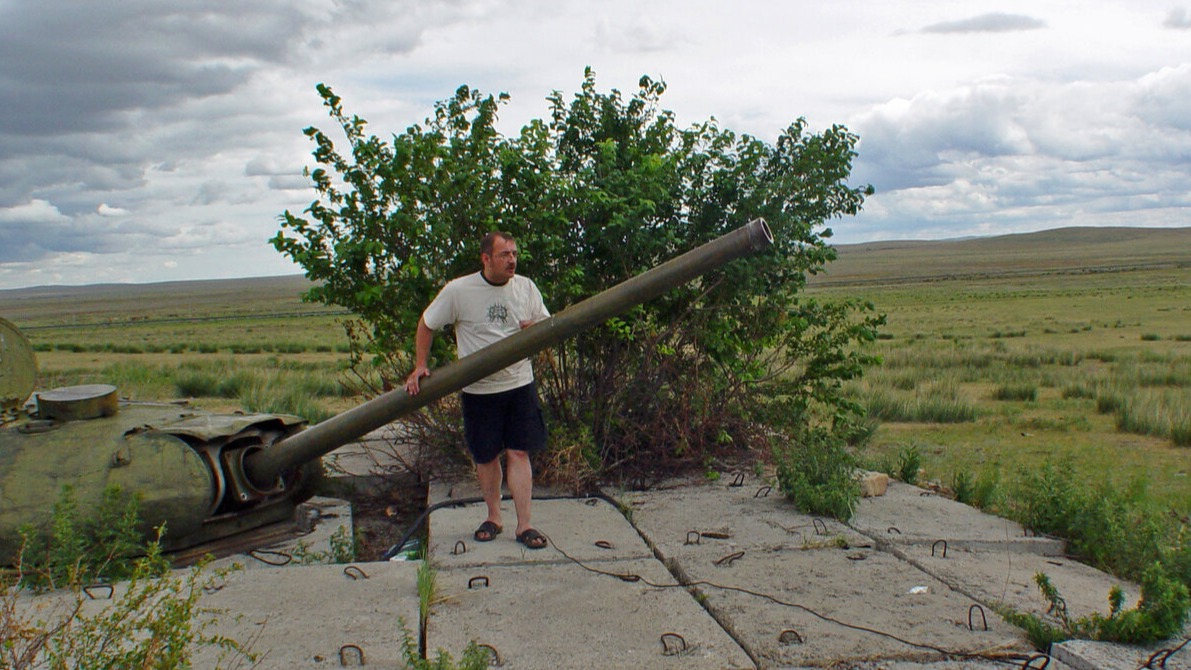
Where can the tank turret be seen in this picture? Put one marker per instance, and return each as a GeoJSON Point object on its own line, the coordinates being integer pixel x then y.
{"type": "Point", "coordinates": [206, 476]}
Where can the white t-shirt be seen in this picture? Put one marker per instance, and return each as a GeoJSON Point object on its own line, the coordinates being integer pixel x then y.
{"type": "Point", "coordinates": [484, 314]}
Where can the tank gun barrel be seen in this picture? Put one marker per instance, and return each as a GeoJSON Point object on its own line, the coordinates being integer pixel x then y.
{"type": "Point", "coordinates": [264, 466]}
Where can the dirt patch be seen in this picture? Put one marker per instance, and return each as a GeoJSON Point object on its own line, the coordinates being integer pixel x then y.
{"type": "Point", "coordinates": [383, 515]}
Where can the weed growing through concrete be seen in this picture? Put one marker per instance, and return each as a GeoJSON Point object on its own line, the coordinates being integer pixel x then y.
{"type": "Point", "coordinates": [1159, 615]}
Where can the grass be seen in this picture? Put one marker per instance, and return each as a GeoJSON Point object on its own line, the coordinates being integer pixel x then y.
{"type": "Point", "coordinates": [1000, 373]}
{"type": "Point", "coordinates": [244, 344]}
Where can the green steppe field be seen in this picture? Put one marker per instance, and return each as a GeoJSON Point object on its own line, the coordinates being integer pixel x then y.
{"type": "Point", "coordinates": [1070, 347]}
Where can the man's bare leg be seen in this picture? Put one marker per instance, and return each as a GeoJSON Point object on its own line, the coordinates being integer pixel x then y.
{"type": "Point", "coordinates": [490, 476]}
{"type": "Point", "coordinates": [521, 487]}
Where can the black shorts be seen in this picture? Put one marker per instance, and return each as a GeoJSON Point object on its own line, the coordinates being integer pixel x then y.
{"type": "Point", "coordinates": [493, 422]}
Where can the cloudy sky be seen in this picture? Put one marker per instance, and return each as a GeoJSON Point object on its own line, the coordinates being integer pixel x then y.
{"type": "Point", "coordinates": [159, 140]}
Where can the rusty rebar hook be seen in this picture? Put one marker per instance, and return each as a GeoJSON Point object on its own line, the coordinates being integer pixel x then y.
{"type": "Point", "coordinates": [977, 608]}
{"type": "Point", "coordinates": [495, 654]}
{"type": "Point", "coordinates": [87, 589]}
{"type": "Point", "coordinates": [471, 583]}
{"type": "Point", "coordinates": [937, 542]}
{"type": "Point", "coordinates": [350, 647]}
{"type": "Point", "coordinates": [355, 572]}
{"type": "Point", "coordinates": [727, 560]}
{"type": "Point", "coordinates": [790, 636]}
{"type": "Point", "coordinates": [260, 554]}
{"type": "Point", "coordinates": [678, 648]}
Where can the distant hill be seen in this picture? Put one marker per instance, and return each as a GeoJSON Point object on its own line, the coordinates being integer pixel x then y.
{"type": "Point", "coordinates": [1062, 250]}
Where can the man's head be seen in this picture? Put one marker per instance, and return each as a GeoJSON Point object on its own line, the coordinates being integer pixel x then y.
{"type": "Point", "coordinates": [498, 255]}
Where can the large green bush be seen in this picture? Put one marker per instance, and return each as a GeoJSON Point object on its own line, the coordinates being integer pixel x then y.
{"type": "Point", "coordinates": [602, 189]}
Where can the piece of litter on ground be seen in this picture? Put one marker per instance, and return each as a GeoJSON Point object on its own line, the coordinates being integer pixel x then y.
{"type": "Point", "coordinates": [919, 590]}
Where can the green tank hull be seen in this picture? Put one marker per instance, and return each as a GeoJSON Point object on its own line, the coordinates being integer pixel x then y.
{"type": "Point", "coordinates": [173, 459]}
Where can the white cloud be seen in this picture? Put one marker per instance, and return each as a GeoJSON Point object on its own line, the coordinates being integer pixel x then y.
{"type": "Point", "coordinates": [105, 209]}
{"type": "Point", "coordinates": [32, 213]}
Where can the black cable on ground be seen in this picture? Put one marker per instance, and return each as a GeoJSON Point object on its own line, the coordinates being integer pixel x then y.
{"type": "Point", "coordinates": [413, 528]}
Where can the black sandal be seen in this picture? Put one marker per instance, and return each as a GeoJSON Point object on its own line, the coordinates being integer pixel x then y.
{"type": "Point", "coordinates": [532, 539]}
{"type": "Point", "coordinates": [487, 532]}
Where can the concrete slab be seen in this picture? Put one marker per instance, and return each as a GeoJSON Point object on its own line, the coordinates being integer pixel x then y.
{"type": "Point", "coordinates": [291, 617]}
{"type": "Point", "coordinates": [714, 519]}
{"type": "Point", "coordinates": [302, 617]}
{"type": "Point", "coordinates": [589, 529]}
{"type": "Point", "coordinates": [1002, 575]}
{"type": "Point", "coordinates": [562, 616]}
{"type": "Point", "coordinates": [910, 515]}
{"type": "Point", "coordinates": [1088, 655]}
{"type": "Point", "coordinates": [821, 606]}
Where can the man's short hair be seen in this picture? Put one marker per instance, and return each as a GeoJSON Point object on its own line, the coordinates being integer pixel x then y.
{"type": "Point", "coordinates": [489, 241]}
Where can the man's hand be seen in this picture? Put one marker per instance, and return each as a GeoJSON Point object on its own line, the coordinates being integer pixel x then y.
{"type": "Point", "coordinates": [412, 383]}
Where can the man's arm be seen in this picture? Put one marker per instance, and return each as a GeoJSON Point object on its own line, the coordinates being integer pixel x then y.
{"type": "Point", "coordinates": [422, 343]}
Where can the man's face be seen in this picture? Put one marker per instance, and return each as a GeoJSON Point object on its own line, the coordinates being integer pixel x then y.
{"type": "Point", "coordinates": [501, 264]}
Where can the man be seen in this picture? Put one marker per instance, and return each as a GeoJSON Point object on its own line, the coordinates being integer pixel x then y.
{"type": "Point", "coordinates": [501, 411]}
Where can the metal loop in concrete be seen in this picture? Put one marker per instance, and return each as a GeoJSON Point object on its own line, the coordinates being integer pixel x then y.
{"type": "Point", "coordinates": [727, 560]}
{"type": "Point", "coordinates": [790, 636]}
{"type": "Point", "coordinates": [977, 608]}
{"type": "Point", "coordinates": [350, 647]}
{"type": "Point", "coordinates": [493, 653]}
{"type": "Point", "coordinates": [481, 579]}
{"type": "Point", "coordinates": [936, 544]}
{"type": "Point", "coordinates": [263, 554]}
{"type": "Point", "coordinates": [88, 590]}
{"type": "Point", "coordinates": [355, 572]}
{"type": "Point", "coordinates": [679, 646]}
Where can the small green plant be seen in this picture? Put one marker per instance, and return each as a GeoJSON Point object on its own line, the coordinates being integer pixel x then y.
{"type": "Point", "coordinates": [909, 462]}
{"type": "Point", "coordinates": [474, 656]}
{"type": "Point", "coordinates": [1159, 615]}
{"type": "Point", "coordinates": [427, 588]}
{"type": "Point", "coordinates": [342, 549]}
{"type": "Point", "coordinates": [100, 547]}
{"type": "Point", "coordinates": [964, 486]}
{"type": "Point", "coordinates": [819, 475]}
{"type": "Point", "coordinates": [154, 621]}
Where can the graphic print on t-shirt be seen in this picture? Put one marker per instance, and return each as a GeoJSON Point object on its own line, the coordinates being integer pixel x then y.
{"type": "Point", "coordinates": [498, 312]}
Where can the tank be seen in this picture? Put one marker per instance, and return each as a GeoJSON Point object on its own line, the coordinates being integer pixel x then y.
{"type": "Point", "coordinates": [208, 476]}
